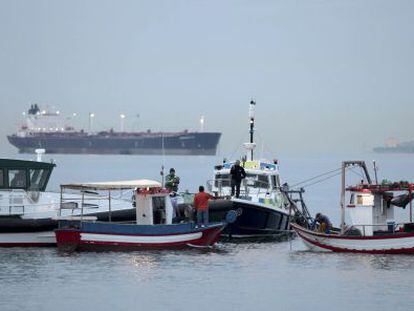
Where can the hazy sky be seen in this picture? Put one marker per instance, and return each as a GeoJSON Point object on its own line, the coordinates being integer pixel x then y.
{"type": "Point", "coordinates": [326, 75]}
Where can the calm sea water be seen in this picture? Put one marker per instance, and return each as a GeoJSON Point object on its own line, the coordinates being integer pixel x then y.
{"type": "Point", "coordinates": [265, 276]}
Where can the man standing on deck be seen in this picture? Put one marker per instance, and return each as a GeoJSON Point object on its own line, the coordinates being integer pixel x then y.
{"type": "Point", "coordinates": [237, 175]}
{"type": "Point", "coordinates": [201, 206]}
{"type": "Point", "coordinates": [172, 181]}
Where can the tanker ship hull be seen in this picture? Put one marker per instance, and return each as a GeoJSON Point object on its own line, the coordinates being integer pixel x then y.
{"type": "Point", "coordinates": [154, 144]}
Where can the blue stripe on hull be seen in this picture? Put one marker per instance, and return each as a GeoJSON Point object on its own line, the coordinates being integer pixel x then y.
{"type": "Point", "coordinates": [133, 229]}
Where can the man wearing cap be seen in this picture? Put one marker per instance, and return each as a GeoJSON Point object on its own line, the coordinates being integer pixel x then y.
{"type": "Point", "coordinates": [172, 181]}
{"type": "Point", "coordinates": [237, 175]}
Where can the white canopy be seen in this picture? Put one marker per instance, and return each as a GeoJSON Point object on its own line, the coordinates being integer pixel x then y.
{"type": "Point", "coordinates": [114, 185]}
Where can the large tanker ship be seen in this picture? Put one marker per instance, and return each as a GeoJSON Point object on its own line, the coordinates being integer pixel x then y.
{"type": "Point", "coordinates": [48, 130]}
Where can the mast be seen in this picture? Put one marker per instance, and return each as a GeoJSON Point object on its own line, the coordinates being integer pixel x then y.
{"type": "Point", "coordinates": [344, 164]}
{"type": "Point", "coordinates": [163, 161]}
{"type": "Point", "coordinates": [91, 116]}
{"type": "Point", "coordinates": [39, 153]}
{"type": "Point", "coordinates": [251, 117]}
{"type": "Point", "coordinates": [375, 171]}
{"type": "Point", "coordinates": [201, 124]}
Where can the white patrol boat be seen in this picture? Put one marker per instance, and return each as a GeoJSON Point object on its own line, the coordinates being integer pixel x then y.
{"type": "Point", "coordinates": [28, 212]}
{"type": "Point", "coordinates": [264, 209]}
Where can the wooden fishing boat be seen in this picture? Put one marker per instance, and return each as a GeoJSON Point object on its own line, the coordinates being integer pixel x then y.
{"type": "Point", "coordinates": [153, 228]}
{"type": "Point", "coordinates": [372, 227]}
{"type": "Point", "coordinates": [399, 242]}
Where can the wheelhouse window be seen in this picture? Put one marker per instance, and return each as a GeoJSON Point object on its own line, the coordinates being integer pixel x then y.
{"type": "Point", "coordinates": [158, 203]}
{"type": "Point", "coordinates": [352, 199]}
{"type": "Point", "coordinates": [275, 181]}
{"type": "Point", "coordinates": [159, 212]}
{"type": "Point", "coordinates": [38, 178]}
{"type": "Point", "coordinates": [17, 179]}
{"type": "Point", "coordinates": [1, 178]}
{"type": "Point", "coordinates": [257, 181]}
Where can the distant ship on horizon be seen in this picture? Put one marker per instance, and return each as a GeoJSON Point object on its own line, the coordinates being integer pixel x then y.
{"type": "Point", "coordinates": [45, 129]}
{"type": "Point", "coordinates": [392, 145]}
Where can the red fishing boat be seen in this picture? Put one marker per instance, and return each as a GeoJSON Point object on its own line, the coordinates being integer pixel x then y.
{"type": "Point", "coordinates": [153, 228]}
{"type": "Point", "coordinates": [372, 227]}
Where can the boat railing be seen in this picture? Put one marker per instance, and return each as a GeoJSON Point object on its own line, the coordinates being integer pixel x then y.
{"type": "Point", "coordinates": [362, 229]}
{"type": "Point", "coordinates": [12, 210]}
{"type": "Point", "coordinates": [17, 202]}
{"type": "Point", "coordinates": [218, 185]}
{"type": "Point", "coordinates": [23, 207]}
{"type": "Point", "coordinates": [88, 203]}
{"type": "Point", "coordinates": [20, 209]}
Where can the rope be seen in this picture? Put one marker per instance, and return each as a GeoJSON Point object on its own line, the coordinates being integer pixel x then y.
{"type": "Point", "coordinates": [321, 180]}
{"type": "Point", "coordinates": [317, 176]}
{"type": "Point", "coordinates": [357, 173]}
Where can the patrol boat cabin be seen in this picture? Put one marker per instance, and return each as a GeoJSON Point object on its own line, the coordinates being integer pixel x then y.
{"type": "Point", "coordinates": [261, 178]}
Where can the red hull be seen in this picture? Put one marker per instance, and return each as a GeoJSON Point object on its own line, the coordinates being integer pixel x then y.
{"type": "Point", "coordinates": [341, 250]}
{"type": "Point", "coordinates": [399, 243]}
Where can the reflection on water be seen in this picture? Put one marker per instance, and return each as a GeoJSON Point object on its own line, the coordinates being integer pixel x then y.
{"type": "Point", "coordinates": [392, 262]}
{"type": "Point", "coordinates": [305, 258]}
{"type": "Point", "coordinates": [144, 262]}
{"type": "Point", "coordinates": [248, 276]}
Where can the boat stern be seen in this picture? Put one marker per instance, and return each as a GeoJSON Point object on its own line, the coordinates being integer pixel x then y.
{"type": "Point", "coordinates": [210, 235]}
{"type": "Point", "coordinates": [68, 239]}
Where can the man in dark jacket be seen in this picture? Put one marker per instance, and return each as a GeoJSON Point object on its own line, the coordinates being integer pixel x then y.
{"type": "Point", "coordinates": [237, 175]}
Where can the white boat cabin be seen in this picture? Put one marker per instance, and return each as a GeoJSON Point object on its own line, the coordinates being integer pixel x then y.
{"type": "Point", "coordinates": [22, 186]}
{"type": "Point", "coordinates": [153, 206]}
{"type": "Point", "coordinates": [371, 207]}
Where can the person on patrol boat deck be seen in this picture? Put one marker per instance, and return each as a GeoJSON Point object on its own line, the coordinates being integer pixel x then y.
{"type": "Point", "coordinates": [172, 181]}
{"type": "Point", "coordinates": [201, 206]}
{"type": "Point", "coordinates": [237, 175]}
